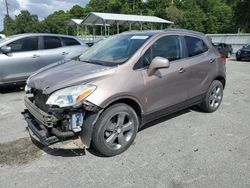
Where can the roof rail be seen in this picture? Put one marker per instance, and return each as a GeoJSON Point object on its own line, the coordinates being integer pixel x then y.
{"type": "Point", "coordinates": [185, 30]}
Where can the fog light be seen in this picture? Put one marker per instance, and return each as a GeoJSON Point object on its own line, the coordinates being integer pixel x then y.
{"type": "Point", "coordinates": [77, 121]}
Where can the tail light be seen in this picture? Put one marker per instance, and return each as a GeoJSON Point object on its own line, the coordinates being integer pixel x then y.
{"type": "Point", "coordinates": [223, 58]}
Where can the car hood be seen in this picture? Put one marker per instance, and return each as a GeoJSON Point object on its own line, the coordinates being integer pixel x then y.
{"type": "Point", "coordinates": [61, 75]}
{"type": "Point", "coordinates": [245, 50]}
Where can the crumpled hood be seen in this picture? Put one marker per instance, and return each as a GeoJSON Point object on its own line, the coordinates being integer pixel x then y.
{"type": "Point", "coordinates": [60, 75]}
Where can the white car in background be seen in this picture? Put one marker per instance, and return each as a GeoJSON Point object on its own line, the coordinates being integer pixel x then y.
{"type": "Point", "coordinates": [2, 36]}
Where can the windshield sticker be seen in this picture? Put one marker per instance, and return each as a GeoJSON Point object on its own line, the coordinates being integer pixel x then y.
{"type": "Point", "coordinates": [139, 37]}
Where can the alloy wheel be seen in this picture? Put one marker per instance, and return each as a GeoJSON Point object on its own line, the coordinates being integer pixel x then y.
{"type": "Point", "coordinates": [215, 97]}
{"type": "Point", "coordinates": [119, 130]}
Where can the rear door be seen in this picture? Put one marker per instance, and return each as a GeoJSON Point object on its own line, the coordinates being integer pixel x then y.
{"type": "Point", "coordinates": [202, 61]}
{"type": "Point", "coordinates": [168, 86]}
{"type": "Point", "coordinates": [22, 61]}
{"type": "Point", "coordinates": [51, 50]}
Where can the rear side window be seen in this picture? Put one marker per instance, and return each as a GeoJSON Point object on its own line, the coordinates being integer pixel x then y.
{"type": "Point", "coordinates": [70, 41]}
{"type": "Point", "coordinates": [51, 42]}
{"type": "Point", "coordinates": [195, 46]}
{"type": "Point", "coordinates": [24, 45]}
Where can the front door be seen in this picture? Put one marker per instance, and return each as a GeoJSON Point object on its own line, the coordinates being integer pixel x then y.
{"type": "Point", "coordinates": [21, 61]}
{"type": "Point", "coordinates": [167, 87]}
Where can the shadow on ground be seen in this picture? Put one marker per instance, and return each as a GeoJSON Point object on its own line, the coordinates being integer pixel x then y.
{"type": "Point", "coordinates": [18, 152]}
{"type": "Point", "coordinates": [11, 89]}
{"type": "Point", "coordinates": [57, 151]}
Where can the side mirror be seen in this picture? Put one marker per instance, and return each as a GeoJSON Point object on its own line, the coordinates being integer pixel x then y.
{"type": "Point", "coordinates": [244, 46]}
{"type": "Point", "coordinates": [6, 49]}
{"type": "Point", "coordinates": [157, 63]}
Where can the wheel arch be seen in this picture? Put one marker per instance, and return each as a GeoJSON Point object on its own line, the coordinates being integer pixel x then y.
{"type": "Point", "coordinates": [222, 80]}
{"type": "Point", "coordinates": [132, 102]}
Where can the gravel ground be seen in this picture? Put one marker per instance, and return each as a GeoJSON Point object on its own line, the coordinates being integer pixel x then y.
{"type": "Point", "coordinates": [187, 149]}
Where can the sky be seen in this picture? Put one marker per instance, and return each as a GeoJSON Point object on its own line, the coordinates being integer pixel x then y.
{"type": "Point", "coordinates": [42, 8]}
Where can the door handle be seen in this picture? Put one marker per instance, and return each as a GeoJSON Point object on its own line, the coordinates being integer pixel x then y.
{"type": "Point", "coordinates": [65, 53]}
{"type": "Point", "coordinates": [182, 70]}
{"type": "Point", "coordinates": [212, 60]}
{"type": "Point", "coordinates": [35, 56]}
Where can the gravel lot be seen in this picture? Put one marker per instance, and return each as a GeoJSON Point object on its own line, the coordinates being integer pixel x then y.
{"type": "Point", "coordinates": [187, 149]}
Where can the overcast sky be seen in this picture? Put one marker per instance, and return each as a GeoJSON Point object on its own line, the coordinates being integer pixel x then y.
{"type": "Point", "coordinates": [42, 8]}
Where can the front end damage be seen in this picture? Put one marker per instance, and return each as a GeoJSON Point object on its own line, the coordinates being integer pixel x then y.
{"type": "Point", "coordinates": [53, 124]}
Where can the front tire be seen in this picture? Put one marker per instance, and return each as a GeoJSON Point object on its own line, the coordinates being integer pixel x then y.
{"type": "Point", "coordinates": [213, 97]}
{"type": "Point", "coordinates": [115, 130]}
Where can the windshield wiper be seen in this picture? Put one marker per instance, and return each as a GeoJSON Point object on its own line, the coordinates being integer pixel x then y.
{"type": "Point", "coordinates": [91, 61]}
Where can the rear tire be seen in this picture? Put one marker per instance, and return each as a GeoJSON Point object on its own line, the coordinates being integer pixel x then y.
{"type": "Point", "coordinates": [213, 97]}
{"type": "Point", "coordinates": [115, 130]}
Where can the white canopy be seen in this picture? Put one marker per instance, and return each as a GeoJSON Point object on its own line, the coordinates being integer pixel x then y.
{"type": "Point", "coordinates": [94, 18]}
{"type": "Point", "coordinates": [75, 21]}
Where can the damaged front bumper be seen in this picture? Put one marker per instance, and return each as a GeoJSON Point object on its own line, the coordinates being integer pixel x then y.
{"type": "Point", "coordinates": [58, 124]}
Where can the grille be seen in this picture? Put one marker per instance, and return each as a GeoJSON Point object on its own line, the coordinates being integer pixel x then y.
{"type": "Point", "coordinates": [246, 52]}
{"type": "Point", "coordinates": [40, 100]}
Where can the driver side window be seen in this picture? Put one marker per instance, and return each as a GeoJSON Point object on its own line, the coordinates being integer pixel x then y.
{"type": "Point", "coordinates": [24, 44]}
{"type": "Point", "coordinates": [168, 47]}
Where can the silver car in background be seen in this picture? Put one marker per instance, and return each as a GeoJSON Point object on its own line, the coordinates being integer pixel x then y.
{"type": "Point", "coordinates": [23, 54]}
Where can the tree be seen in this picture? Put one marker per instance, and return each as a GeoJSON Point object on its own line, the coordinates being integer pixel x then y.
{"type": "Point", "coordinates": [9, 26]}
{"type": "Point", "coordinates": [77, 12]}
{"type": "Point", "coordinates": [242, 15]}
{"type": "Point", "coordinates": [26, 23]}
{"type": "Point", "coordinates": [193, 19]}
{"type": "Point", "coordinates": [209, 16]}
{"type": "Point", "coordinates": [58, 22]}
{"type": "Point", "coordinates": [175, 15]}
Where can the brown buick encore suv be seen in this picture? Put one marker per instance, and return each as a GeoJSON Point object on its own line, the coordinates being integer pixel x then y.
{"type": "Point", "coordinates": [120, 84]}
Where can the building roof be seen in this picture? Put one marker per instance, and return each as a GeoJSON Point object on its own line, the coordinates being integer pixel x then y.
{"type": "Point", "coordinates": [75, 21]}
{"type": "Point", "coordinates": [108, 18]}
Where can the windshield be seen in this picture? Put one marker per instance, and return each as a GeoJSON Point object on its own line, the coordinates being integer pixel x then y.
{"type": "Point", "coordinates": [247, 46]}
{"type": "Point", "coordinates": [114, 50]}
{"type": "Point", "coordinates": [4, 39]}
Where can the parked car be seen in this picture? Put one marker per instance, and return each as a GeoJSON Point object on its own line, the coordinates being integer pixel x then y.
{"type": "Point", "coordinates": [2, 36]}
{"type": "Point", "coordinates": [243, 53]}
{"type": "Point", "coordinates": [120, 84]}
{"type": "Point", "coordinates": [225, 49]}
{"type": "Point", "coordinates": [21, 55]}
{"type": "Point", "coordinates": [95, 42]}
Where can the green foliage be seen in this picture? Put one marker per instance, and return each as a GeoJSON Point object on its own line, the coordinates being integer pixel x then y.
{"type": "Point", "coordinates": [10, 26]}
{"type": "Point", "coordinates": [209, 16]}
{"type": "Point", "coordinates": [57, 22]}
{"type": "Point", "coordinates": [77, 12]}
{"type": "Point", "coordinates": [242, 15]}
{"type": "Point", "coordinates": [193, 19]}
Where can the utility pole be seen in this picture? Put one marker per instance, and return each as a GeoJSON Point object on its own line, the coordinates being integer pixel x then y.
{"type": "Point", "coordinates": [7, 8]}
{"type": "Point", "coordinates": [133, 6]}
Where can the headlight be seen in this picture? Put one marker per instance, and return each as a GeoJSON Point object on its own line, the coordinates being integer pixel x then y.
{"type": "Point", "coordinates": [238, 52]}
{"type": "Point", "coordinates": [70, 96]}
